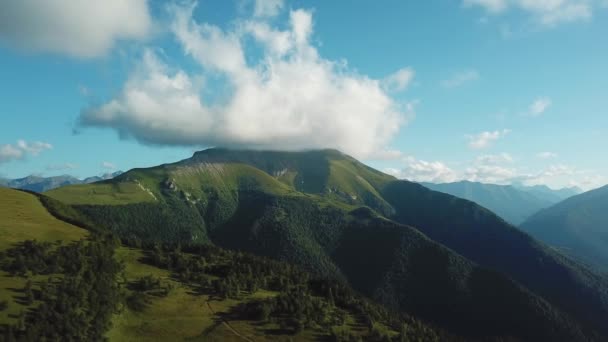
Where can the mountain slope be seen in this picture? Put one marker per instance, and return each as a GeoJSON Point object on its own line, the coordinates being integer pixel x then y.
{"type": "Point", "coordinates": [514, 204]}
{"type": "Point", "coordinates": [548, 194]}
{"type": "Point", "coordinates": [578, 226]}
{"type": "Point", "coordinates": [306, 208]}
{"type": "Point", "coordinates": [482, 237]}
{"type": "Point", "coordinates": [56, 286]}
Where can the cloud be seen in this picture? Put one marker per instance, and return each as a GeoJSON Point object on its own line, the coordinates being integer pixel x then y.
{"type": "Point", "coordinates": [267, 8]}
{"type": "Point", "coordinates": [546, 155]}
{"type": "Point", "coordinates": [491, 168]}
{"type": "Point", "coordinates": [290, 98]}
{"type": "Point", "coordinates": [460, 79]}
{"type": "Point", "coordinates": [547, 13]}
{"type": "Point", "coordinates": [485, 139]}
{"type": "Point", "coordinates": [424, 171]}
{"type": "Point", "coordinates": [386, 155]}
{"type": "Point", "coordinates": [21, 149]}
{"type": "Point", "coordinates": [108, 165]}
{"type": "Point", "coordinates": [61, 167]}
{"type": "Point", "coordinates": [494, 159]}
{"type": "Point", "coordinates": [495, 169]}
{"type": "Point", "coordinates": [539, 106]}
{"type": "Point", "coordinates": [399, 80]}
{"type": "Point", "coordinates": [80, 28]}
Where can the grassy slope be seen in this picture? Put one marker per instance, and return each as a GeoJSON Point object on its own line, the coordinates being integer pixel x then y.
{"type": "Point", "coordinates": [24, 218]}
{"type": "Point", "coordinates": [103, 193]}
{"type": "Point", "coordinates": [186, 315]}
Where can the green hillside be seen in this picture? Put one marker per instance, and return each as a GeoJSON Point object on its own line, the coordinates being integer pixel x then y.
{"type": "Point", "coordinates": [87, 286]}
{"type": "Point", "coordinates": [301, 207]}
{"type": "Point", "coordinates": [23, 217]}
{"type": "Point", "coordinates": [577, 226]}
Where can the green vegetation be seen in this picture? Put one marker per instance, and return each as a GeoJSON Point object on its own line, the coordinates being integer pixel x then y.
{"type": "Point", "coordinates": [337, 217]}
{"type": "Point", "coordinates": [23, 217]}
{"type": "Point", "coordinates": [109, 193]}
{"type": "Point", "coordinates": [216, 294]}
{"type": "Point", "coordinates": [76, 305]}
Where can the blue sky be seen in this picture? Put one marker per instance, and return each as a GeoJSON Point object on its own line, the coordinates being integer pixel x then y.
{"type": "Point", "coordinates": [497, 91]}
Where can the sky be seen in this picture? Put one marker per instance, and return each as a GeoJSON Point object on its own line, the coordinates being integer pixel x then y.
{"type": "Point", "coordinates": [495, 91]}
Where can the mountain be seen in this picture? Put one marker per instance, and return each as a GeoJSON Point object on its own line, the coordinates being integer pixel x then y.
{"type": "Point", "coordinates": [551, 195]}
{"type": "Point", "coordinates": [511, 203]}
{"type": "Point", "coordinates": [578, 226]}
{"type": "Point", "coordinates": [441, 258]}
{"type": "Point", "coordinates": [105, 176]}
{"type": "Point", "coordinates": [84, 281]}
{"type": "Point", "coordinates": [42, 184]}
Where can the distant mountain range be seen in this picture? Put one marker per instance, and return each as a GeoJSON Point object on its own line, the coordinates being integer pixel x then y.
{"type": "Point", "coordinates": [42, 184]}
{"type": "Point", "coordinates": [514, 203]}
{"type": "Point", "coordinates": [578, 226]}
{"type": "Point", "coordinates": [444, 259]}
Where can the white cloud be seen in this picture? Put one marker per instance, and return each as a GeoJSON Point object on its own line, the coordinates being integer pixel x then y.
{"type": "Point", "coordinates": [545, 12]}
{"type": "Point", "coordinates": [399, 80]}
{"type": "Point", "coordinates": [494, 159]}
{"type": "Point", "coordinates": [108, 165]}
{"type": "Point", "coordinates": [81, 28]}
{"type": "Point", "coordinates": [267, 8]}
{"type": "Point", "coordinates": [61, 167]}
{"type": "Point", "coordinates": [424, 171]}
{"type": "Point", "coordinates": [539, 106]}
{"type": "Point", "coordinates": [485, 139]}
{"type": "Point", "coordinates": [460, 78]}
{"type": "Point", "coordinates": [386, 155]}
{"type": "Point", "coordinates": [496, 169]}
{"type": "Point", "coordinates": [491, 168]}
{"type": "Point", "coordinates": [9, 152]}
{"type": "Point", "coordinates": [291, 98]}
{"type": "Point", "coordinates": [547, 155]}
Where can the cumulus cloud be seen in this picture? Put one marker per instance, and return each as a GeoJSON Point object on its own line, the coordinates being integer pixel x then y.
{"type": "Point", "coordinates": [460, 78]}
{"type": "Point", "coordinates": [81, 28]}
{"type": "Point", "coordinates": [423, 171]}
{"type": "Point", "coordinates": [108, 165]}
{"type": "Point", "coordinates": [546, 155]}
{"type": "Point", "coordinates": [539, 106]}
{"type": "Point", "coordinates": [290, 98]}
{"type": "Point", "coordinates": [545, 12]}
{"type": "Point", "coordinates": [399, 80]}
{"type": "Point", "coordinates": [485, 139]}
{"type": "Point", "coordinates": [21, 149]}
{"type": "Point", "coordinates": [61, 167]}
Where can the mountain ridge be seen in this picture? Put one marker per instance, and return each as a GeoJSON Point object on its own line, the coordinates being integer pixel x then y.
{"type": "Point", "coordinates": [42, 184]}
{"type": "Point", "coordinates": [577, 226]}
{"type": "Point", "coordinates": [311, 211]}
{"type": "Point", "coordinates": [514, 203]}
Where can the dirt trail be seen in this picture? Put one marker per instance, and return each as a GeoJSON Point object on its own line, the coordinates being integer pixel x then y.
{"type": "Point", "coordinates": [227, 325]}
